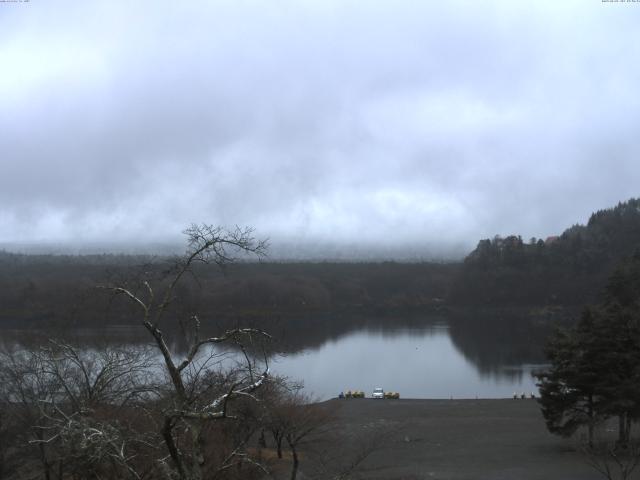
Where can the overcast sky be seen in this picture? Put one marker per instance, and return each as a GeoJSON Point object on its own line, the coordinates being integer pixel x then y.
{"type": "Point", "coordinates": [338, 122]}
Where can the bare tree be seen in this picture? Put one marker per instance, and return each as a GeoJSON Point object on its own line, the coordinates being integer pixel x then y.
{"type": "Point", "coordinates": [195, 397]}
{"type": "Point", "coordinates": [345, 462]}
{"type": "Point", "coordinates": [3, 437]}
{"type": "Point", "coordinates": [303, 419]}
{"type": "Point", "coordinates": [292, 417]}
{"type": "Point", "coordinates": [110, 412]}
{"type": "Point", "coordinates": [611, 460]}
{"type": "Point", "coordinates": [27, 393]}
{"type": "Point", "coordinates": [6, 432]}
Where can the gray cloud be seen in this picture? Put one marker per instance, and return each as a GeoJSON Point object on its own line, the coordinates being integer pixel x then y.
{"type": "Point", "coordinates": [390, 123]}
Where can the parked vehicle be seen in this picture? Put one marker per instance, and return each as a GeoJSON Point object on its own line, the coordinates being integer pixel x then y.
{"type": "Point", "coordinates": [378, 392]}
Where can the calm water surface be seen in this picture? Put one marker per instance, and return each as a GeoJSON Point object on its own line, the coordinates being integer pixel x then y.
{"type": "Point", "coordinates": [426, 359]}
{"type": "Point", "coordinates": [417, 362]}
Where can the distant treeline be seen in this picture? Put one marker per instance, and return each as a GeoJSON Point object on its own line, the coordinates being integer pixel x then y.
{"type": "Point", "coordinates": [567, 270]}
{"type": "Point", "coordinates": [55, 289]}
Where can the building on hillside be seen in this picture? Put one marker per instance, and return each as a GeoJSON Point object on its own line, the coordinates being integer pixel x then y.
{"type": "Point", "coordinates": [551, 239]}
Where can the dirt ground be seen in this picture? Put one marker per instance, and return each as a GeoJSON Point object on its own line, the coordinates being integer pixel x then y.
{"type": "Point", "coordinates": [457, 439]}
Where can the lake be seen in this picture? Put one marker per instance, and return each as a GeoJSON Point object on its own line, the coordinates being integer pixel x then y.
{"type": "Point", "coordinates": [417, 362]}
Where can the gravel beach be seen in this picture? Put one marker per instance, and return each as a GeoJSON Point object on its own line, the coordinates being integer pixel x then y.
{"type": "Point", "coordinates": [460, 439]}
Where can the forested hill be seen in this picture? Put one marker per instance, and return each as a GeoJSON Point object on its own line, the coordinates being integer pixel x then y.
{"type": "Point", "coordinates": [569, 269]}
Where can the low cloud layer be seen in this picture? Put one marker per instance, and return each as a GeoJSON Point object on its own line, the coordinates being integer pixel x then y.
{"type": "Point", "coordinates": [381, 124]}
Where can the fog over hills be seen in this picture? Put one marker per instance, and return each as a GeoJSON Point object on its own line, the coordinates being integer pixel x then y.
{"type": "Point", "coordinates": [278, 251]}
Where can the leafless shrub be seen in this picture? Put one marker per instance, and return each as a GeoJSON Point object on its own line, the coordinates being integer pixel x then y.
{"type": "Point", "coordinates": [56, 395]}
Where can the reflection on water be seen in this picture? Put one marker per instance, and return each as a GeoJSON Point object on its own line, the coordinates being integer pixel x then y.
{"type": "Point", "coordinates": [463, 356]}
{"type": "Point", "coordinates": [417, 362]}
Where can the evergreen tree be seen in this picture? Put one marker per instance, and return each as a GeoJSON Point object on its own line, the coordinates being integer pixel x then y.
{"type": "Point", "coordinates": [568, 397]}
{"type": "Point", "coordinates": [595, 367]}
{"type": "Point", "coordinates": [619, 333]}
